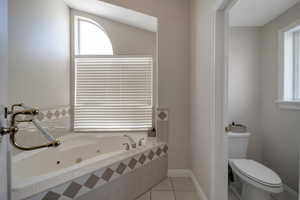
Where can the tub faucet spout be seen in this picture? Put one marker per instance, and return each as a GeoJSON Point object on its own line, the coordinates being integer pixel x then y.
{"type": "Point", "coordinates": [133, 143]}
{"type": "Point", "coordinates": [13, 129]}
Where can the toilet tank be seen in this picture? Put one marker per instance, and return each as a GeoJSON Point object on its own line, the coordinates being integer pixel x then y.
{"type": "Point", "coordinates": [238, 145]}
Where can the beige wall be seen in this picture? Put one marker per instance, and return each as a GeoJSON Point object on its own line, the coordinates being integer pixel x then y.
{"type": "Point", "coordinates": [280, 128]}
{"type": "Point", "coordinates": [173, 69]}
{"type": "Point", "coordinates": [244, 84]}
{"type": "Point", "coordinates": [39, 52]}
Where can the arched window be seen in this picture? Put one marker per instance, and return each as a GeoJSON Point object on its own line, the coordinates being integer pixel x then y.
{"type": "Point", "coordinates": [111, 93]}
{"type": "Point", "coordinates": [91, 39]}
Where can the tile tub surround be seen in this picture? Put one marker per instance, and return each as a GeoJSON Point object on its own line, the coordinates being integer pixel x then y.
{"type": "Point", "coordinates": [56, 112]}
{"type": "Point", "coordinates": [131, 185]}
{"type": "Point", "coordinates": [172, 188]}
{"type": "Point", "coordinates": [105, 176]}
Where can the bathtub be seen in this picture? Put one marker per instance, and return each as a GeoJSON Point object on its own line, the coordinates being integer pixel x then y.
{"type": "Point", "coordinates": [83, 161]}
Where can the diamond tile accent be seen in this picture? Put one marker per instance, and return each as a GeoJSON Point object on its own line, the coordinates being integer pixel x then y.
{"type": "Point", "coordinates": [158, 152]}
{"type": "Point", "coordinates": [72, 190]}
{"type": "Point", "coordinates": [64, 112]}
{"type": "Point", "coordinates": [86, 183]}
{"type": "Point", "coordinates": [142, 159]}
{"type": "Point", "coordinates": [51, 196]}
{"type": "Point", "coordinates": [121, 168]}
{"type": "Point", "coordinates": [92, 181]}
{"type": "Point", "coordinates": [162, 115]}
{"type": "Point", "coordinates": [49, 114]}
{"type": "Point", "coordinates": [151, 155]}
{"type": "Point", "coordinates": [41, 116]}
{"type": "Point", "coordinates": [165, 149]}
{"type": "Point", "coordinates": [57, 114]}
{"type": "Point", "coordinates": [132, 163]}
{"type": "Point", "coordinates": [107, 174]}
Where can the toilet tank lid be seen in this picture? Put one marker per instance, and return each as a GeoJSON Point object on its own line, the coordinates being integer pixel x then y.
{"type": "Point", "coordinates": [238, 135]}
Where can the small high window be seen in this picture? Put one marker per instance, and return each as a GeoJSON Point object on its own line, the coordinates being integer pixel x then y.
{"type": "Point", "coordinates": [289, 93]}
{"type": "Point", "coordinates": [91, 39]}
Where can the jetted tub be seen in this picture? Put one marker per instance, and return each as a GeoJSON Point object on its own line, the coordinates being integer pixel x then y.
{"type": "Point", "coordinates": [40, 173]}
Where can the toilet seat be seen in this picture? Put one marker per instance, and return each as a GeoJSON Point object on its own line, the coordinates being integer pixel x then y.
{"type": "Point", "coordinates": [257, 174]}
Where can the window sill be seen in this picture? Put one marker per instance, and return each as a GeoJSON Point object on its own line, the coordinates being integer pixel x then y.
{"type": "Point", "coordinates": [288, 105]}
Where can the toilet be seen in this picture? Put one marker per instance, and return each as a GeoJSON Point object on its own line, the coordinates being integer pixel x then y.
{"type": "Point", "coordinates": [252, 180]}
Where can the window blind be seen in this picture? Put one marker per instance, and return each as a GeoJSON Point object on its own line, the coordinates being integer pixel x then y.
{"type": "Point", "coordinates": [113, 94]}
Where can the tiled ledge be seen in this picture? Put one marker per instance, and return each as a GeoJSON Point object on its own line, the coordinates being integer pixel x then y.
{"type": "Point", "coordinates": [84, 184]}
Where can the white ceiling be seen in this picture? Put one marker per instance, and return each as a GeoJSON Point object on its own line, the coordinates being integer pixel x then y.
{"type": "Point", "coordinates": [258, 12]}
{"type": "Point", "coordinates": [115, 13]}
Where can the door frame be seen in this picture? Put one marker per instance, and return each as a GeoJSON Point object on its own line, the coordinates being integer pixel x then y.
{"type": "Point", "coordinates": [3, 50]}
{"type": "Point", "coordinates": [5, 177]}
{"type": "Point", "coordinates": [219, 98]}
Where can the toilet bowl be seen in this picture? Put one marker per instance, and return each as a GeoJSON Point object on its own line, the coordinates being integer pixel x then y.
{"type": "Point", "coordinates": [257, 181]}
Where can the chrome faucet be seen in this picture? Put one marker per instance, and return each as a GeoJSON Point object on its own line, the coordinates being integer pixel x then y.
{"type": "Point", "coordinates": [141, 141]}
{"type": "Point", "coordinates": [127, 146]}
{"type": "Point", "coordinates": [12, 130]}
{"type": "Point", "coordinates": [132, 141]}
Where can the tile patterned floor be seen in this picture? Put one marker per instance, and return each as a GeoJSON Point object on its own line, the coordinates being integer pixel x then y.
{"type": "Point", "coordinates": [172, 189]}
{"type": "Point", "coordinates": [284, 196]}
{"type": "Point", "coordinates": [281, 196]}
{"type": "Point", "coordinates": [183, 189]}
{"type": "Point", "coordinates": [231, 196]}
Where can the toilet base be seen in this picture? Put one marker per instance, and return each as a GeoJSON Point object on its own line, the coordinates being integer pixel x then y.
{"type": "Point", "coordinates": [250, 192]}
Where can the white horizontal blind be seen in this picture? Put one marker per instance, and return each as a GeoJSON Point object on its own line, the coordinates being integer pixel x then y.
{"type": "Point", "coordinates": [113, 94]}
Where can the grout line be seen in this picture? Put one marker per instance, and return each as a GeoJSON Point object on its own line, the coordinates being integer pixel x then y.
{"type": "Point", "coordinates": [274, 198]}
{"type": "Point", "coordinates": [171, 181]}
{"type": "Point", "coordinates": [233, 195]}
{"type": "Point", "coordinates": [173, 188]}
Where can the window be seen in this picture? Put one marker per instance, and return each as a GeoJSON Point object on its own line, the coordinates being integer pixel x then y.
{"type": "Point", "coordinates": [91, 39]}
{"type": "Point", "coordinates": [111, 93]}
{"type": "Point", "coordinates": [289, 71]}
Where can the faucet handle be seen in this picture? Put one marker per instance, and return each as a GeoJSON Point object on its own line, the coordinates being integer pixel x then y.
{"type": "Point", "coordinates": [26, 110]}
{"type": "Point", "coordinates": [127, 146]}
{"type": "Point", "coordinates": [13, 107]}
{"type": "Point", "coordinates": [141, 141]}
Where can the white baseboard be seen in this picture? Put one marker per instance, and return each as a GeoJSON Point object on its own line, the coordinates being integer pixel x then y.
{"type": "Point", "coordinates": [179, 173]}
{"type": "Point", "coordinates": [201, 194]}
{"type": "Point", "coordinates": [188, 173]}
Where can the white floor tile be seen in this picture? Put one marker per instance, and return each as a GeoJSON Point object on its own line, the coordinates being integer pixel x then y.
{"type": "Point", "coordinates": [186, 196]}
{"type": "Point", "coordinates": [164, 185]}
{"type": "Point", "coordinates": [162, 195]}
{"type": "Point", "coordinates": [284, 196]}
{"type": "Point", "coordinates": [231, 196]}
{"type": "Point", "coordinates": [145, 196]}
{"type": "Point", "coordinates": [183, 184]}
